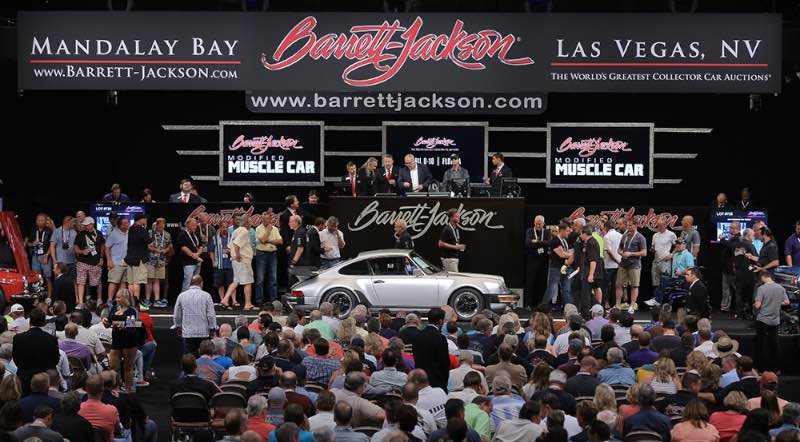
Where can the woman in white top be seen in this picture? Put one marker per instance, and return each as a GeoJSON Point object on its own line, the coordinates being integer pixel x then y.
{"type": "Point", "coordinates": [241, 370]}
{"type": "Point", "coordinates": [665, 380]}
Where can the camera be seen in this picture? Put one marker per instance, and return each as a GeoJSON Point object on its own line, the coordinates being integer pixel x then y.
{"type": "Point", "coordinates": [65, 246]}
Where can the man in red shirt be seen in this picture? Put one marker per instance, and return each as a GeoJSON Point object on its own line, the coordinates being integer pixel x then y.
{"type": "Point", "coordinates": [100, 415]}
{"type": "Point", "coordinates": [256, 417]}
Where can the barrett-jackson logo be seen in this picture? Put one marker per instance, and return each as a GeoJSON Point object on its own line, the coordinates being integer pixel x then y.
{"type": "Point", "coordinates": [228, 215]}
{"type": "Point", "coordinates": [374, 46]}
{"type": "Point", "coordinates": [432, 142]}
{"type": "Point", "coordinates": [421, 217]}
{"type": "Point", "coordinates": [260, 145]}
{"type": "Point", "coordinates": [588, 147]}
{"type": "Point", "coordinates": [643, 221]}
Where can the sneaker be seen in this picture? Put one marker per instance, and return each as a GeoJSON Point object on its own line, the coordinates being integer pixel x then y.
{"type": "Point", "coordinates": [144, 307]}
{"type": "Point", "coordinates": [631, 310]}
{"type": "Point", "coordinates": [142, 384]}
{"type": "Point", "coordinates": [651, 302]}
{"type": "Point", "coordinates": [161, 303]}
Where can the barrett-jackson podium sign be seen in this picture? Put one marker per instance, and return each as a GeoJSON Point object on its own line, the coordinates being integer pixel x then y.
{"type": "Point", "coordinates": [297, 55]}
{"type": "Point", "coordinates": [283, 153]}
{"type": "Point", "coordinates": [597, 155]}
{"type": "Point", "coordinates": [491, 228]}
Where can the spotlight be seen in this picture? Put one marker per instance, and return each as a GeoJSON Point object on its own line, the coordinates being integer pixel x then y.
{"type": "Point", "coordinates": [755, 102]}
{"type": "Point", "coordinates": [112, 98]}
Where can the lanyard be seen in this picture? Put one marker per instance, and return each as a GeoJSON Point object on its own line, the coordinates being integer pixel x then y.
{"type": "Point", "coordinates": [564, 244]}
{"type": "Point", "coordinates": [455, 233]}
{"type": "Point", "coordinates": [630, 240]}
{"type": "Point", "coordinates": [192, 239]}
{"type": "Point", "coordinates": [41, 240]}
{"type": "Point", "coordinates": [537, 237]}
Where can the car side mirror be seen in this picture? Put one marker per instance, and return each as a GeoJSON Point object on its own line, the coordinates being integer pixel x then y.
{"type": "Point", "coordinates": [418, 272]}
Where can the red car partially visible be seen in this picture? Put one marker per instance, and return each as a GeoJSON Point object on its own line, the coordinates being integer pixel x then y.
{"type": "Point", "coordinates": [18, 284]}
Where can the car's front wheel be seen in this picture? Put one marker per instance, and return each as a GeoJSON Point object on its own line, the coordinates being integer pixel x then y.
{"type": "Point", "coordinates": [467, 303]}
{"type": "Point", "coordinates": [343, 298]}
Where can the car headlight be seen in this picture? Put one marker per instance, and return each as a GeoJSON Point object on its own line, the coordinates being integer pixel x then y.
{"type": "Point", "coordinates": [492, 287]}
{"type": "Point", "coordinates": [503, 287]}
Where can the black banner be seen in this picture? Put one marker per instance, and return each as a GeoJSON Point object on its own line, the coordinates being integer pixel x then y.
{"type": "Point", "coordinates": [596, 155]}
{"type": "Point", "coordinates": [286, 153]}
{"type": "Point", "coordinates": [358, 52]}
{"type": "Point", "coordinates": [432, 143]}
{"type": "Point", "coordinates": [490, 228]}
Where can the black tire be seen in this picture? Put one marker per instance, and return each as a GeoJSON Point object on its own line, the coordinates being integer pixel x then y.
{"type": "Point", "coordinates": [467, 302]}
{"type": "Point", "coordinates": [342, 297]}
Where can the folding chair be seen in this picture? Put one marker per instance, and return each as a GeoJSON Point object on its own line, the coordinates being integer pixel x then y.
{"type": "Point", "coordinates": [234, 388]}
{"type": "Point", "coordinates": [222, 404]}
{"type": "Point", "coordinates": [190, 414]}
{"type": "Point", "coordinates": [314, 387]}
{"type": "Point", "coordinates": [643, 436]}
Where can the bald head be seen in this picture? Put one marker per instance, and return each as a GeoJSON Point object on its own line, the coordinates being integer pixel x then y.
{"type": "Point", "coordinates": [636, 330]}
{"type": "Point", "coordinates": [197, 280]}
{"type": "Point", "coordinates": [225, 330]}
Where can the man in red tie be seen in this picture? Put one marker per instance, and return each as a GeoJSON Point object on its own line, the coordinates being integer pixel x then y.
{"type": "Point", "coordinates": [500, 171]}
{"type": "Point", "coordinates": [185, 195]}
{"type": "Point", "coordinates": [386, 176]}
{"type": "Point", "coordinates": [352, 178]}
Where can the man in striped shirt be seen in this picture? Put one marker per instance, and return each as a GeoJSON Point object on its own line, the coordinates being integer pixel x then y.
{"type": "Point", "coordinates": [319, 368]}
{"type": "Point", "coordinates": [505, 404]}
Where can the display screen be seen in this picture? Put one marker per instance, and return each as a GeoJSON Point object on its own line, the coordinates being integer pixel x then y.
{"type": "Point", "coordinates": [102, 214]}
{"type": "Point", "coordinates": [721, 221]}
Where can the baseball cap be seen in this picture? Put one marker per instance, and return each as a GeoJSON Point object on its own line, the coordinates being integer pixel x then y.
{"type": "Point", "coordinates": [88, 220]}
{"type": "Point", "coordinates": [575, 319]}
{"type": "Point", "coordinates": [276, 395]}
{"type": "Point", "coordinates": [768, 377]}
{"type": "Point", "coordinates": [17, 308]}
{"type": "Point", "coordinates": [597, 308]}
{"type": "Point", "coordinates": [454, 156]}
{"type": "Point", "coordinates": [267, 362]}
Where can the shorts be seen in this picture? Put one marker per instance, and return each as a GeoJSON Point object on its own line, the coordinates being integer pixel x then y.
{"type": "Point", "coordinates": [223, 277]}
{"type": "Point", "coordinates": [89, 272]}
{"type": "Point", "coordinates": [154, 272]}
{"type": "Point", "coordinates": [242, 272]}
{"type": "Point", "coordinates": [137, 274]}
{"type": "Point", "coordinates": [628, 277]}
{"type": "Point", "coordinates": [120, 272]}
{"type": "Point", "coordinates": [46, 269]}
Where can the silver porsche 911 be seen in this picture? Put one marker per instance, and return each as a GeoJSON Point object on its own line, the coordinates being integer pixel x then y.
{"type": "Point", "coordinates": [397, 279]}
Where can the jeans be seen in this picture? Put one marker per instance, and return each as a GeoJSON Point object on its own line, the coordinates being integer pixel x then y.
{"type": "Point", "coordinates": [328, 263]}
{"type": "Point", "coordinates": [610, 289]}
{"type": "Point", "coordinates": [266, 265]}
{"type": "Point", "coordinates": [767, 345]}
{"type": "Point", "coordinates": [150, 431]}
{"type": "Point", "coordinates": [554, 280]}
{"type": "Point", "coordinates": [744, 295]}
{"type": "Point", "coordinates": [188, 272]}
{"type": "Point", "coordinates": [148, 354]}
{"type": "Point", "coordinates": [728, 289]}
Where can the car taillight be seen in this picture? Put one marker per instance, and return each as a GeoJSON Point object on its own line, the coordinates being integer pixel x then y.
{"type": "Point", "coordinates": [296, 294]}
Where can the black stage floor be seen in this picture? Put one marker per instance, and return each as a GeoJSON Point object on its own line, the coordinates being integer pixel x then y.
{"type": "Point", "coordinates": [156, 397]}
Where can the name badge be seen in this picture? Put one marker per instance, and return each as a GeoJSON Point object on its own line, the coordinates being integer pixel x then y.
{"type": "Point", "coordinates": [540, 250]}
{"type": "Point", "coordinates": [94, 253]}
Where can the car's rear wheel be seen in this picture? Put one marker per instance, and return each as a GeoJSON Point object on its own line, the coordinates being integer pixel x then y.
{"type": "Point", "coordinates": [343, 298]}
{"type": "Point", "coordinates": [467, 303]}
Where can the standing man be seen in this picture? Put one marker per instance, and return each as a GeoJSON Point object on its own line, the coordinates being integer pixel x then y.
{"type": "Point", "coordinates": [292, 206]}
{"type": "Point", "coordinates": [194, 316]}
{"type": "Point", "coordinates": [39, 243]}
{"type": "Point", "coordinates": [242, 261]}
{"type": "Point", "coordinates": [561, 257]}
{"type": "Point", "coordinates": [769, 299]}
{"type": "Point", "coordinates": [190, 248]}
{"type": "Point", "coordinates": [663, 241]}
{"type": "Point", "coordinates": [450, 242]}
{"type": "Point", "coordinates": [157, 266]}
{"type": "Point", "coordinates": [500, 171]}
{"type": "Point", "coordinates": [185, 195]}
{"type": "Point", "coordinates": [632, 247]}
{"type": "Point", "coordinates": [89, 250]}
{"type": "Point", "coordinates": [415, 177]}
{"type": "Point", "coordinates": [63, 287]}
{"type": "Point", "coordinates": [332, 241]}
{"type": "Point", "coordinates": [34, 351]}
{"type": "Point", "coordinates": [767, 258]}
{"type": "Point", "coordinates": [140, 244]}
{"type": "Point", "coordinates": [697, 302]}
{"type": "Point", "coordinates": [430, 350]}
{"type": "Point", "coordinates": [352, 179]}
{"type": "Point", "coordinates": [386, 176]}
{"type": "Point", "coordinates": [611, 260]}
{"type": "Point", "coordinates": [745, 278]}
{"type": "Point", "coordinates": [403, 239]}
{"type": "Point", "coordinates": [298, 244]}
{"type": "Point", "coordinates": [728, 274]}
{"type": "Point", "coordinates": [592, 271]}
{"type": "Point", "coordinates": [268, 239]}
{"type": "Point", "coordinates": [455, 172]}
{"type": "Point", "coordinates": [721, 202]}
{"type": "Point", "coordinates": [220, 253]}
{"type": "Point", "coordinates": [62, 243]}
{"type": "Point", "coordinates": [690, 236]}
{"type": "Point", "coordinates": [537, 239]}
{"type": "Point", "coordinates": [205, 231]}
{"type": "Point", "coordinates": [313, 249]}
{"type": "Point", "coordinates": [791, 248]}
{"type": "Point", "coordinates": [744, 203]}
{"type": "Point", "coordinates": [116, 249]}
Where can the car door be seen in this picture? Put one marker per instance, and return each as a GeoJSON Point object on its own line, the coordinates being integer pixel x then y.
{"type": "Point", "coordinates": [396, 284]}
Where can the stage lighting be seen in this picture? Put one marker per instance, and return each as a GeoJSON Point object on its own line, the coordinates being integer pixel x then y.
{"type": "Point", "coordinates": [755, 102]}
{"type": "Point", "coordinates": [112, 98]}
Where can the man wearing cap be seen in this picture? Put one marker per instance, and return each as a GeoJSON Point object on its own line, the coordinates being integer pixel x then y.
{"type": "Point", "coordinates": [455, 172]}
{"type": "Point", "coordinates": [89, 251]}
{"type": "Point", "coordinates": [276, 402]}
{"type": "Point", "coordinates": [267, 376]}
{"type": "Point", "coordinates": [597, 322]}
{"type": "Point", "coordinates": [139, 248]}
{"type": "Point", "coordinates": [18, 322]}
{"type": "Point", "coordinates": [768, 381]}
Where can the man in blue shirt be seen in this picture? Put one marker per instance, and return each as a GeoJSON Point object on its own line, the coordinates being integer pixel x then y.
{"type": "Point", "coordinates": [220, 254]}
{"type": "Point", "coordinates": [682, 259]}
{"type": "Point", "coordinates": [648, 418]}
{"type": "Point", "coordinates": [116, 249]}
{"type": "Point", "coordinates": [616, 373]}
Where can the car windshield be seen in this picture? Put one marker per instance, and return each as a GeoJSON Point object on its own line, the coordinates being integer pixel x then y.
{"type": "Point", "coordinates": [423, 264]}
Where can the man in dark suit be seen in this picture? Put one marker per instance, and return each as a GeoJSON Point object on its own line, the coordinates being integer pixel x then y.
{"type": "Point", "coordinates": [386, 176]}
{"type": "Point", "coordinates": [185, 195]}
{"type": "Point", "coordinates": [430, 350]}
{"type": "Point", "coordinates": [353, 180]}
{"type": "Point", "coordinates": [64, 287]}
{"type": "Point", "coordinates": [585, 382]}
{"type": "Point", "coordinates": [313, 249]}
{"type": "Point", "coordinates": [415, 177]}
{"type": "Point", "coordinates": [697, 301]}
{"type": "Point", "coordinates": [35, 351]}
{"type": "Point", "coordinates": [499, 172]}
